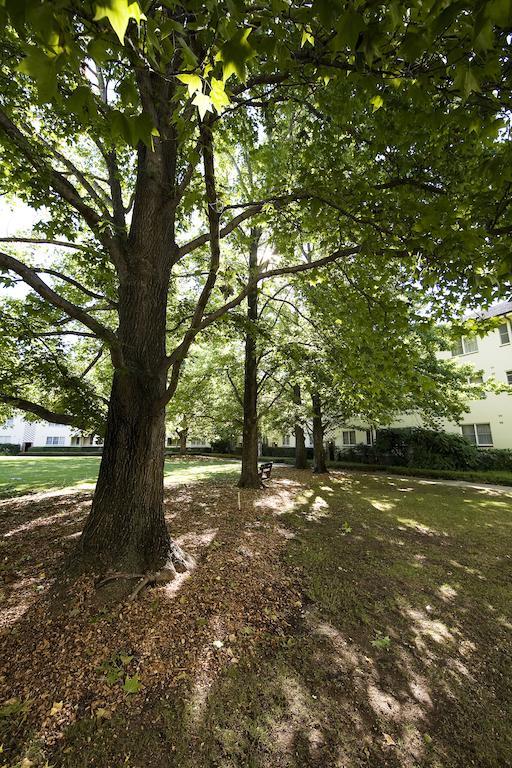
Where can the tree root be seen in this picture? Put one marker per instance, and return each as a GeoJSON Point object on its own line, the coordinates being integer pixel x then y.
{"type": "Point", "coordinates": [177, 560]}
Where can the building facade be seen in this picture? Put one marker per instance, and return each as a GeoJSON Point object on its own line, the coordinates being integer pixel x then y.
{"type": "Point", "coordinates": [488, 423]}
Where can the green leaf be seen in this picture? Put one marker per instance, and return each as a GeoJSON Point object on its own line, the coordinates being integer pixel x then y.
{"type": "Point", "coordinates": [307, 37]}
{"type": "Point", "coordinates": [499, 11]}
{"type": "Point", "coordinates": [42, 70]}
{"type": "Point", "coordinates": [235, 53]}
{"type": "Point", "coordinates": [382, 643]}
{"type": "Point", "coordinates": [349, 27]}
{"type": "Point", "coordinates": [119, 13]}
{"type": "Point", "coordinates": [193, 83]}
{"type": "Point", "coordinates": [218, 95]}
{"type": "Point", "coordinates": [465, 80]}
{"type": "Point", "coordinates": [203, 103]}
{"type": "Point", "coordinates": [377, 102]}
{"type": "Point", "coordinates": [131, 684]}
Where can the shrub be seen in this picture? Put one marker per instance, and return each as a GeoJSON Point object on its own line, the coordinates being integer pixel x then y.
{"type": "Point", "coordinates": [9, 449]}
{"type": "Point", "coordinates": [56, 449]}
{"type": "Point", "coordinates": [428, 449]}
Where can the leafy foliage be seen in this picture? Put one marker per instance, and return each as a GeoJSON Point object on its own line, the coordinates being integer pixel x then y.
{"type": "Point", "coordinates": [430, 449]}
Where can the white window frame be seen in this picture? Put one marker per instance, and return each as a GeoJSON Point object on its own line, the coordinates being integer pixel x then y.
{"type": "Point", "coordinates": [505, 324]}
{"type": "Point", "coordinates": [286, 441]}
{"type": "Point", "coordinates": [475, 433]}
{"type": "Point", "coordinates": [6, 439]}
{"type": "Point", "coordinates": [348, 442]}
{"type": "Point", "coordinates": [55, 440]}
{"type": "Point", "coordinates": [508, 374]}
{"type": "Point", "coordinates": [463, 342]}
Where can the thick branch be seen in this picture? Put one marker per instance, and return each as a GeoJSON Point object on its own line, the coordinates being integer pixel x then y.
{"type": "Point", "coordinates": [39, 410]}
{"type": "Point", "coordinates": [200, 240]}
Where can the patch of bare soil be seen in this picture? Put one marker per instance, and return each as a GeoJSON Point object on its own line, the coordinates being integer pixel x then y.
{"type": "Point", "coordinates": [60, 667]}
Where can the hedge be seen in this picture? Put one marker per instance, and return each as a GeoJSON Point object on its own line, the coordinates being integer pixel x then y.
{"type": "Point", "coordinates": [9, 449]}
{"type": "Point", "coordinates": [59, 450]}
{"type": "Point", "coordinates": [428, 449]}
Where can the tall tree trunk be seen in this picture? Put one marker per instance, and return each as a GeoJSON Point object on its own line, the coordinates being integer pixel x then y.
{"type": "Point", "coordinates": [319, 464]}
{"type": "Point", "coordinates": [183, 436]}
{"type": "Point", "coordinates": [126, 527]}
{"type": "Point", "coordinates": [249, 475]}
{"type": "Point", "coordinates": [301, 461]}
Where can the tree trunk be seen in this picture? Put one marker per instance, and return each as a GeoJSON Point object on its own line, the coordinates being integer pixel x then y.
{"type": "Point", "coordinates": [319, 464]}
{"type": "Point", "coordinates": [126, 528]}
{"type": "Point", "coordinates": [249, 475]}
{"type": "Point", "coordinates": [301, 461]}
{"type": "Point", "coordinates": [183, 435]}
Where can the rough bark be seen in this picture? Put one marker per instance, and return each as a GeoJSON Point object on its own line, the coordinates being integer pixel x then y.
{"type": "Point", "coordinates": [249, 474]}
{"type": "Point", "coordinates": [183, 436]}
{"type": "Point", "coordinates": [126, 527]}
{"type": "Point", "coordinates": [301, 461]}
{"type": "Point", "coordinates": [319, 463]}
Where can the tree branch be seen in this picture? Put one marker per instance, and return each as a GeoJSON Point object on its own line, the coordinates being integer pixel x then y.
{"type": "Point", "coordinates": [291, 270]}
{"type": "Point", "coordinates": [36, 241]}
{"type": "Point", "coordinates": [35, 155]}
{"type": "Point", "coordinates": [39, 410]}
{"type": "Point", "coordinates": [31, 278]}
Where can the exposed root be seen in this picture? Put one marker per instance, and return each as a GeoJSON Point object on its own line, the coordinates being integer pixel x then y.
{"type": "Point", "coordinates": [177, 560]}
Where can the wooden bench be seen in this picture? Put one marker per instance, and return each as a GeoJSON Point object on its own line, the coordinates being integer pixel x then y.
{"type": "Point", "coordinates": [264, 471]}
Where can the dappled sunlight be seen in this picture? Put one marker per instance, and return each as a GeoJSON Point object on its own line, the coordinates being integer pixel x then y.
{"type": "Point", "coordinates": [447, 592]}
{"type": "Point", "coordinates": [419, 527]}
{"type": "Point", "coordinates": [423, 626]}
{"type": "Point", "coordinates": [379, 636]}
{"type": "Point", "coordinates": [382, 506]}
{"type": "Point", "coordinates": [41, 522]}
{"type": "Point", "coordinates": [301, 718]}
{"type": "Point", "coordinates": [318, 508]}
{"type": "Point", "coordinates": [467, 569]}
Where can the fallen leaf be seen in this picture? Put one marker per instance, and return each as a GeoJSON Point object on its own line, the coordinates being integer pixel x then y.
{"type": "Point", "coordinates": [389, 740]}
{"type": "Point", "coordinates": [56, 708]}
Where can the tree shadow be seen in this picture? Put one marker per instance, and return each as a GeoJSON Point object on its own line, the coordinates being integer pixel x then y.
{"type": "Point", "coordinates": [318, 629]}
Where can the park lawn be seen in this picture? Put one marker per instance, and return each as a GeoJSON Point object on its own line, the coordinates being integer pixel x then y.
{"type": "Point", "coordinates": [29, 474]}
{"type": "Point", "coordinates": [344, 620]}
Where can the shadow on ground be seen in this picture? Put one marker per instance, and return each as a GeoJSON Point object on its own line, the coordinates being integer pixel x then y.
{"type": "Point", "coordinates": [336, 621]}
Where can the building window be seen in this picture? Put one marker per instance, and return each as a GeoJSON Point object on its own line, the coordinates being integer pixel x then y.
{"type": "Point", "coordinates": [478, 379]}
{"type": "Point", "coordinates": [465, 346]}
{"type": "Point", "coordinates": [504, 334]}
{"type": "Point", "coordinates": [369, 437]}
{"type": "Point", "coordinates": [7, 424]}
{"type": "Point", "coordinates": [6, 439]}
{"type": "Point", "coordinates": [509, 377]}
{"type": "Point", "coordinates": [75, 440]}
{"type": "Point", "coordinates": [349, 437]}
{"type": "Point", "coordinates": [478, 434]}
{"type": "Point", "coordinates": [54, 440]}
{"type": "Point", "coordinates": [286, 440]}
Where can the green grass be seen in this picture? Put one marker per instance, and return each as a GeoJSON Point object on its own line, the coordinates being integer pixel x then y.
{"type": "Point", "coordinates": [20, 475]}
{"type": "Point", "coordinates": [397, 655]}
{"type": "Point", "coordinates": [471, 476]}
{"type": "Point", "coordinates": [405, 638]}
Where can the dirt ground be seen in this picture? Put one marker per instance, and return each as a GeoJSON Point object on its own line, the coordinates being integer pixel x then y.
{"type": "Point", "coordinates": [338, 621]}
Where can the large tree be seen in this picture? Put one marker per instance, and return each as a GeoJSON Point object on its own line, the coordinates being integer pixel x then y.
{"type": "Point", "coordinates": [108, 117]}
